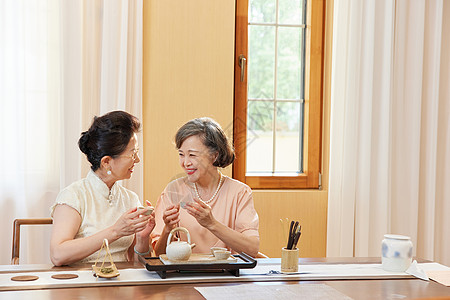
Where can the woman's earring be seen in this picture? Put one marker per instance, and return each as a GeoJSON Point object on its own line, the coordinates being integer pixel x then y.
{"type": "Point", "coordinates": [109, 172]}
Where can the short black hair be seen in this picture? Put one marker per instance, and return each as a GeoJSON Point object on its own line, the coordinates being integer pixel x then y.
{"type": "Point", "coordinates": [108, 135]}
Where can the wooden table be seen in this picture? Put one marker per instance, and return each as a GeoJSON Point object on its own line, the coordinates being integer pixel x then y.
{"type": "Point", "coordinates": [357, 289]}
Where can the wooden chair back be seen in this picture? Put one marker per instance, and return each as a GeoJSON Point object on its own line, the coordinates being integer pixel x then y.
{"type": "Point", "coordinates": [16, 234]}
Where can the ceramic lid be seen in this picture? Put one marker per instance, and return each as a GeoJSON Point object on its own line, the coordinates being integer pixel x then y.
{"type": "Point", "coordinates": [397, 237]}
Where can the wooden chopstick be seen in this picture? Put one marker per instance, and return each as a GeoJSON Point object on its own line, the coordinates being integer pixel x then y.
{"type": "Point", "coordinates": [282, 228]}
{"type": "Point", "coordinates": [294, 235]}
{"type": "Point", "coordinates": [290, 235]}
{"type": "Point", "coordinates": [297, 237]}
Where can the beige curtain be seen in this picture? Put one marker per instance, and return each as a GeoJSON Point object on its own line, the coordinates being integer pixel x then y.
{"type": "Point", "coordinates": [102, 71]}
{"type": "Point", "coordinates": [61, 63]}
{"type": "Point", "coordinates": [390, 127]}
{"type": "Point", "coordinates": [29, 116]}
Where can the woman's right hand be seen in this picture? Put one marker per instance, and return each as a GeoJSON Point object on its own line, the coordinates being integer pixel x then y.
{"type": "Point", "coordinates": [171, 216]}
{"type": "Point", "coordinates": [130, 223]}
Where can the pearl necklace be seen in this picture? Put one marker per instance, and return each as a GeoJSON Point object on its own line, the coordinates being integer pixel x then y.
{"type": "Point", "coordinates": [215, 193]}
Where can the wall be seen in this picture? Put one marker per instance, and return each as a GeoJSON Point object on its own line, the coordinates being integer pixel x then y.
{"type": "Point", "coordinates": [187, 73]}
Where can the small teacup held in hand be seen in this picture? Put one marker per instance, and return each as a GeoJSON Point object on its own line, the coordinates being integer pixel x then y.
{"type": "Point", "coordinates": [148, 210]}
{"type": "Point", "coordinates": [188, 199]}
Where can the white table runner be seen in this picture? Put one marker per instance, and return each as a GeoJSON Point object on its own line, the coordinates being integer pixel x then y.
{"type": "Point", "coordinates": [262, 272]}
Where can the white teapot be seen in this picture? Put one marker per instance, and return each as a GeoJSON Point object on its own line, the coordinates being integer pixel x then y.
{"type": "Point", "coordinates": [179, 250]}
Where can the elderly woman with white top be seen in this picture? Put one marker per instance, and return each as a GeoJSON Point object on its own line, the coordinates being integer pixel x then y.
{"type": "Point", "coordinates": [98, 207]}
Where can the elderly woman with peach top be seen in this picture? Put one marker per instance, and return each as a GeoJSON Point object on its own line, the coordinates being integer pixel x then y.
{"type": "Point", "coordinates": [217, 210]}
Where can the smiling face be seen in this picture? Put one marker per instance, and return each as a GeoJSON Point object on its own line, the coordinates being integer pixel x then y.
{"type": "Point", "coordinates": [122, 166]}
{"type": "Point", "coordinates": [196, 159]}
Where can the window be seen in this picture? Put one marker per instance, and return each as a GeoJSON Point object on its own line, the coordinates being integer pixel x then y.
{"type": "Point", "coordinates": [278, 92]}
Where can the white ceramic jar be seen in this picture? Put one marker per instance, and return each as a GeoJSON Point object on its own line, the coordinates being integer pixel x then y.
{"type": "Point", "coordinates": [396, 252]}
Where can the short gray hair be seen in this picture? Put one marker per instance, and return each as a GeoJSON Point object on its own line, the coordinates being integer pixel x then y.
{"type": "Point", "coordinates": [213, 138]}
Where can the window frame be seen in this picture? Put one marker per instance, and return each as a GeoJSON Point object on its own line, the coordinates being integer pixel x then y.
{"type": "Point", "coordinates": [312, 126]}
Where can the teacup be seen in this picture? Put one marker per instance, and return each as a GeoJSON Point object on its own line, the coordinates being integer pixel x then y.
{"type": "Point", "coordinates": [222, 254]}
{"type": "Point", "coordinates": [148, 212]}
{"type": "Point", "coordinates": [217, 248]}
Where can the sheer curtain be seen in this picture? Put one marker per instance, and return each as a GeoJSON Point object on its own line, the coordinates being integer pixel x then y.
{"type": "Point", "coordinates": [61, 63]}
{"type": "Point", "coordinates": [102, 71]}
{"type": "Point", "coordinates": [390, 127]}
{"type": "Point", "coordinates": [29, 109]}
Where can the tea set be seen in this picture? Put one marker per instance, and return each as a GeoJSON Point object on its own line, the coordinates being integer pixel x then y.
{"type": "Point", "coordinates": [181, 250]}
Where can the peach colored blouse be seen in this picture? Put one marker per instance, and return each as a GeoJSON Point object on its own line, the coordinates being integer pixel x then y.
{"type": "Point", "coordinates": [233, 207]}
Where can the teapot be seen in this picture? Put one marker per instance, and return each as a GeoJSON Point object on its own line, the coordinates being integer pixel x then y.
{"type": "Point", "coordinates": [179, 250]}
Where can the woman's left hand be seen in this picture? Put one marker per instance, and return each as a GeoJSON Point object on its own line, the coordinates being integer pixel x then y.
{"type": "Point", "coordinates": [201, 212]}
{"type": "Point", "coordinates": [145, 233]}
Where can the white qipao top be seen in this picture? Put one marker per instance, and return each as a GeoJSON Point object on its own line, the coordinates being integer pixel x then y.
{"type": "Point", "coordinates": [99, 208]}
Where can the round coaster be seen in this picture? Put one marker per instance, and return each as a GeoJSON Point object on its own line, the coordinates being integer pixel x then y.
{"type": "Point", "coordinates": [24, 278]}
{"type": "Point", "coordinates": [64, 276]}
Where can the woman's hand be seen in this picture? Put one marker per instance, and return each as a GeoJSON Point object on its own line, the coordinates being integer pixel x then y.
{"type": "Point", "coordinates": [237, 241]}
{"type": "Point", "coordinates": [130, 223]}
{"type": "Point", "coordinates": [201, 212]}
{"type": "Point", "coordinates": [171, 216]}
{"type": "Point", "coordinates": [145, 233]}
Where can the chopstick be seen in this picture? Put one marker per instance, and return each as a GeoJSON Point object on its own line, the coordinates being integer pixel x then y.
{"type": "Point", "coordinates": [290, 235]}
{"type": "Point", "coordinates": [283, 229]}
{"type": "Point", "coordinates": [294, 235]}
{"type": "Point", "coordinates": [297, 237]}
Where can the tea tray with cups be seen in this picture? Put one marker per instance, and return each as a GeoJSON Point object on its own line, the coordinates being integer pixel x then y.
{"type": "Point", "coordinates": [197, 263]}
{"type": "Point", "coordinates": [197, 258]}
